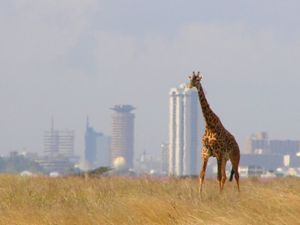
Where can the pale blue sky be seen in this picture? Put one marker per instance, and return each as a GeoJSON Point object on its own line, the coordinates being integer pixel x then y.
{"type": "Point", "coordinates": [72, 58]}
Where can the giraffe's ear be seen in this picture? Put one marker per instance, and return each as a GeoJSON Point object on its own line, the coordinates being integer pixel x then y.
{"type": "Point", "coordinates": [190, 77]}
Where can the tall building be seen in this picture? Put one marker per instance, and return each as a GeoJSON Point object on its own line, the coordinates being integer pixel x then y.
{"type": "Point", "coordinates": [90, 150]}
{"type": "Point", "coordinates": [59, 142]}
{"type": "Point", "coordinates": [97, 148]}
{"type": "Point", "coordinates": [122, 140]}
{"type": "Point", "coordinates": [184, 131]}
{"type": "Point", "coordinates": [58, 150]}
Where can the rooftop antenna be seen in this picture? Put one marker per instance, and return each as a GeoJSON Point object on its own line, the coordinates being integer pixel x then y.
{"type": "Point", "coordinates": [87, 121]}
{"type": "Point", "coordinates": [52, 123]}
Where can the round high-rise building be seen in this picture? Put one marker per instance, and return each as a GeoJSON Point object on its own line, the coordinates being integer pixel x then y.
{"type": "Point", "coordinates": [184, 131]}
{"type": "Point", "coordinates": [122, 140]}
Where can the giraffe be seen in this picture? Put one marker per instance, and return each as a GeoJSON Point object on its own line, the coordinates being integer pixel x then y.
{"type": "Point", "coordinates": [216, 141]}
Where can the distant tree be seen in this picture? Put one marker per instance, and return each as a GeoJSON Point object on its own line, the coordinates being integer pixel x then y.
{"type": "Point", "coordinates": [99, 171]}
{"type": "Point", "coordinates": [18, 163]}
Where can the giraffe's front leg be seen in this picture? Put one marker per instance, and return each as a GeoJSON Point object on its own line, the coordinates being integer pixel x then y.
{"type": "Point", "coordinates": [202, 172]}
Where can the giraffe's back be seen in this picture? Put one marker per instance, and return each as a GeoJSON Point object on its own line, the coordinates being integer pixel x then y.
{"type": "Point", "coordinates": [219, 141]}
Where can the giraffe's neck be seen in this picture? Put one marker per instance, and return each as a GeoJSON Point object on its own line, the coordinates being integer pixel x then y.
{"type": "Point", "coordinates": [211, 119]}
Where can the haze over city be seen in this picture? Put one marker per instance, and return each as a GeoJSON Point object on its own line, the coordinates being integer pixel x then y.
{"type": "Point", "coordinates": [70, 59]}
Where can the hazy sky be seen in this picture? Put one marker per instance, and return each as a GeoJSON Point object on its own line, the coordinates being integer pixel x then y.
{"type": "Point", "coordinates": [72, 58]}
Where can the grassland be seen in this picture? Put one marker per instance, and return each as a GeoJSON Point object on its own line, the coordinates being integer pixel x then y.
{"type": "Point", "coordinates": [142, 201]}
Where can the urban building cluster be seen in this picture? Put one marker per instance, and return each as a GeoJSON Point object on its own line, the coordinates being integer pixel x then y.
{"type": "Point", "coordinates": [59, 158]}
{"type": "Point", "coordinates": [180, 155]}
{"type": "Point", "coordinates": [270, 156]}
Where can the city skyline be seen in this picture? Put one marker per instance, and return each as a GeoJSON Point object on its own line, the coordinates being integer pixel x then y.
{"type": "Point", "coordinates": [70, 59]}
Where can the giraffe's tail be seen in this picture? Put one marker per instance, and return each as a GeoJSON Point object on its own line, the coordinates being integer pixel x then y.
{"type": "Point", "coordinates": [231, 175]}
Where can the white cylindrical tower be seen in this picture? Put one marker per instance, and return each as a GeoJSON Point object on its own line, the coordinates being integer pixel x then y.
{"type": "Point", "coordinates": [184, 138]}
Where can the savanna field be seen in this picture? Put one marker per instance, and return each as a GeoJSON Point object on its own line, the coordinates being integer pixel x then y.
{"type": "Point", "coordinates": [142, 201]}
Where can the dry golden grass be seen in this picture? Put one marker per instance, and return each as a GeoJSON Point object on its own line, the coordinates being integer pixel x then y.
{"type": "Point", "coordinates": [142, 201]}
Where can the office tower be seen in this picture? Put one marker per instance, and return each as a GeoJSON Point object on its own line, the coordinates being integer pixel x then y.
{"type": "Point", "coordinates": [58, 150]}
{"type": "Point", "coordinates": [97, 148]}
{"type": "Point", "coordinates": [90, 150]}
{"type": "Point", "coordinates": [184, 131]}
{"type": "Point", "coordinates": [59, 142]}
{"type": "Point", "coordinates": [122, 140]}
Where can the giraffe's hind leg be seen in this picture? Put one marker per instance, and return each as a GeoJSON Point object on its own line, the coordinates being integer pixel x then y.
{"type": "Point", "coordinates": [219, 162]}
{"type": "Point", "coordinates": [223, 173]}
{"type": "Point", "coordinates": [235, 167]}
{"type": "Point", "coordinates": [237, 175]}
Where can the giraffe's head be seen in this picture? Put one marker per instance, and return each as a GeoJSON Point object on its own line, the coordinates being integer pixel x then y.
{"type": "Point", "coordinates": [195, 80]}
